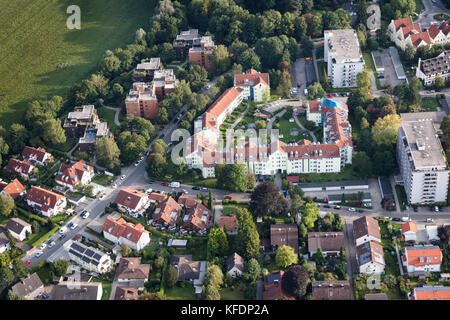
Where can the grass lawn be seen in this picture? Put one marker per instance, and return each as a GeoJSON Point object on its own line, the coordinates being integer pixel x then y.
{"type": "Point", "coordinates": [430, 104]}
{"type": "Point", "coordinates": [65, 147]}
{"type": "Point", "coordinates": [322, 68]}
{"type": "Point", "coordinates": [103, 180]}
{"type": "Point", "coordinates": [228, 210]}
{"type": "Point", "coordinates": [35, 40]}
{"type": "Point", "coordinates": [43, 270]}
{"type": "Point", "coordinates": [285, 130]}
{"type": "Point", "coordinates": [345, 174]}
{"type": "Point", "coordinates": [106, 286]}
{"type": "Point", "coordinates": [419, 6]}
{"type": "Point", "coordinates": [108, 115]}
{"type": "Point", "coordinates": [441, 17]}
{"type": "Point", "coordinates": [37, 239]}
{"type": "Point", "coordinates": [233, 294]}
{"type": "Point", "coordinates": [401, 194]}
{"type": "Point", "coordinates": [371, 64]}
{"type": "Point", "coordinates": [178, 293]}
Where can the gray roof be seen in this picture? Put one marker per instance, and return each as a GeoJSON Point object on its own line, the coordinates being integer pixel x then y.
{"type": "Point", "coordinates": [17, 225]}
{"type": "Point", "coordinates": [376, 296]}
{"type": "Point", "coordinates": [83, 291]}
{"type": "Point", "coordinates": [85, 253]}
{"type": "Point", "coordinates": [235, 260]}
{"type": "Point", "coordinates": [338, 197]}
{"type": "Point", "coordinates": [346, 183]}
{"type": "Point", "coordinates": [3, 239]}
{"type": "Point", "coordinates": [28, 285]}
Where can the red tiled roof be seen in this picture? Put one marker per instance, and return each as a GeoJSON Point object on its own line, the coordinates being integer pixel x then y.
{"type": "Point", "coordinates": [409, 226]}
{"type": "Point", "coordinates": [409, 30]}
{"type": "Point", "coordinates": [434, 30]}
{"type": "Point", "coordinates": [198, 219]}
{"type": "Point", "coordinates": [130, 198]}
{"type": "Point", "coordinates": [119, 228]}
{"type": "Point", "coordinates": [14, 189]}
{"type": "Point", "coordinates": [219, 106]}
{"type": "Point", "coordinates": [157, 196]}
{"type": "Point", "coordinates": [292, 178]}
{"type": "Point", "coordinates": [414, 256]}
{"type": "Point", "coordinates": [417, 38]}
{"type": "Point", "coordinates": [228, 222]}
{"type": "Point", "coordinates": [36, 153]}
{"type": "Point", "coordinates": [431, 293]}
{"type": "Point", "coordinates": [72, 173]}
{"type": "Point", "coordinates": [131, 268]}
{"type": "Point", "coordinates": [187, 202]}
{"type": "Point", "coordinates": [399, 23]}
{"type": "Point", "coordinates": [167, 211]}
{"type": "Point", "coordinates": [17, 166]}
{"type": "Point", "coordinates": [253, 78]}
{"type": "Point", "coordinates": [366, 226]}
{"type": "Point", "coordinates": [46, 198]}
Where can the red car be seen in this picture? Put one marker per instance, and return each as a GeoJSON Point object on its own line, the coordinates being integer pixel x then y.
{"type": "Point", "coordinates": [228, 198]}
{"type": "Point", "coordinates": [165, 184]}
{"type": "Point", "coordinates": [299, 84]}
{"type": "Point", "coordinates": [27, 262]}
{"type": "Point", "coordinates": [330, 95]}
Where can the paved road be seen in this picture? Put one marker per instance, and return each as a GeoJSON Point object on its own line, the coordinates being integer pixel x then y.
{"type": "Point", "coordinates": [431, 8]}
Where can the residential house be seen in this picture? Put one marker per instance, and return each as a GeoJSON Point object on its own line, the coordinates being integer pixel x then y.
{"type": "Point", "coordinates": [76, 291]}
{"type": "Point", "coordinates": [366, 229]}
{"type": "Point", "coordinates": [187, 269]}
{"type": "Point", "coordinates": [439, 33]}
{"type": "Point", "coordinates": [156, 197]}
{"type": "Point", "coordinates": [126, 293]}
{"type": "Point", "coordinates": [229, 223]}
{"type": "Point", "coordinates": [89, 258]}
{"type": "Point", "coordinates": [331, 290]}
{"type": "Point", "coordinates": [187, 202]}
{"type": "Point", "coordinates": [4, 242]}
{"type": "Point", "coordinates": [131, 273]}
{"type": "Point", "coordinates": [432, 233]}
{"type": "Point", "coordinates": [422, 258]}
{"type": "Point", "coordinates": [177, 243]}
{"type": "Point", "coordinates": [46, 202]}
{"type": "Point", "coordinates": [409, 231]}
{"type": "Point", "coordinates": [184, 41]}
{"type": "Point", "coordinates": [431, 293]}
{"type": "Point", "coordinates": [284, 234]}
{"type": "Point", "coordinates": [36, 155]}
{"type": "Point", "coordinates": [121, 232]}
{"type": "Point", "coordinates": [29, 287]}
{"type": "Point", "coordinates": [132, 201]}
{"type": "Point", "coordinates": [15, 189]}
{"type": "Point", "coordinates": [370, 258]}
{"type": "Point", "coordinates": [404, 32]}
{"type": "Point", "coordinates": [375, 296]}
{"type": "Point", "coordinates": [145, 70]}
{"type": "Point", "coordinates": [167, 212]}
{"type": "Point", "coordinates": [235, 265]}
{"type": "Point", "coordinates": [273, 289]}
{"type": "Point", "coordinates": [69, 175]}
{"type": "Point", "coordinates": [18, 228]}
{"type": "Point", "coordinates": [84, 125]}
{"type": "Point", "coordinates": [255, 85]}
{"type": "Point", "coordinates": [330, 243]}
{"type": "Point", "coordinates": [197, 218]}
{"type": "Point", "coordinates": [23, 168]}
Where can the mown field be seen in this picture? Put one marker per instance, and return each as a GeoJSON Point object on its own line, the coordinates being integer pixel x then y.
{"type": "Point", "coordinates": [34, 40]}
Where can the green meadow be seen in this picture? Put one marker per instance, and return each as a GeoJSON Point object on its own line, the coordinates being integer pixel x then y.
{"type": "Point", "coordinates": [40, 57]}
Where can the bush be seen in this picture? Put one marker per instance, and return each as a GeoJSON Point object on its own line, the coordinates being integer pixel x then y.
{"type": "Point", "coordinates": [250, 293]}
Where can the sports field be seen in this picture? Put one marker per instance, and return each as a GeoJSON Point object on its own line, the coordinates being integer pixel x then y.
{"type": "Point", "coordinates": [35, 43]}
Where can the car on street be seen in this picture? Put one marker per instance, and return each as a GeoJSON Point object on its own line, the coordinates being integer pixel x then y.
{"type": "Point", "coordinates": [70, 225]}
{"type": "Point", "coordinates": [396, 219]}
{"type": "Point", "coordinates": [195, 188]}
{"type": "Point", "coordinates": [299, 84]}
{"type": "Point", "coordinates": [39, 253]}
{"type": "Point", "coordinates": [27, 262]}
{"type": "Point", "coordinates": [161, 136]}
{"type": "Point", "coordinates": [330, 95]}
{"type": "Point", "coordinates": [63, 229]}
{"type": "Point", "coordinates": [62, 236]}
{"type": "Point", "coordinates": [102, 196]}
{"type": "Point", "coordinates": [415, 209]}
{"type": "Point", "coordinates": [73, 226]}
{"type": "Point", "coordinates": [228, 198]}
{"type": "Point", "coordinates": [113, 185]}
{"type": "Point", "coordinates": [352, 209]}
{"type": "Point", "coordinates": [136, 163]}
{"type": "Point", "coordinates": [380, 76]}
{"type": "Point", "coordinates": [149, 190]}
{"type": "Point", "coordinates": [337, 207]}
{"type": "Point", "coordinates": [85, 214]}
{"type": "Point", "coordinates": [165, 184]}
{"type": "Point", "coordinates": [123, 177]}
{"type": "Point", "coordinates": [150, 181]}
{"type": "Point", "coordinates": [185, 191]}
{"type": "Point", "coordinates": [51, 244]}
{"type": "Point", "coordinates": [204, 189]}
{"type": "Point", "coordinates": [429, 220]}
{"type": "Point", "coordinates": [344, 94]}
{"type": "Point", "coordinates": [43, 246]}
{"type": "Point", "coordinates": [141, 158]}
{"type": "Point", "coordinates": [326, 206]}
{"type": "Point", "coordinates": [406, 219]}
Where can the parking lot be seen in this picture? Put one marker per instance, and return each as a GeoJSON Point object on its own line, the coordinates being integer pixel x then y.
{"type": "Point", "coordinates": [382, 58]}
{"type": "Point", "coordinates": [299, 75]}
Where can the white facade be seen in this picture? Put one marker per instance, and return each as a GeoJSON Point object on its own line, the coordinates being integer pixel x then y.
{"type": "Point", "coordinates": [143, 241]}
{"type": "Point", "coordinates": [343, 56]}
{"type": "Point", "coordinates": [49, 212]}
{"type": "Point", "coordinates": [366, 238]}
{"type": "Point", "coordinates": [422, 163]}
{"type": "Point", "coordinates": [410, 236]}
{"type": "Point", "coordinates": [22, 235]}
{"type": "Point", "coordinates": [235, 272]}
{"type": "Point", "coordinates": [431, 69]}
{"type": "Point", "coordinates": [371, 267]}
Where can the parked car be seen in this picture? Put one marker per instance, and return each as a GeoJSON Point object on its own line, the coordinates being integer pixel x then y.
{"type": "Point", "coordinates": [165, 184]}
{"type": "Point", "coordinates": [228, 198]}
{"type": "Point", "coordinates": [73, 226]}
{"type": "Point", "coordinates": [204, 189]}
{"type": "Point", "coordinates": [123, 177]}
{"type": "Point", "coordinates": [63, 229]}
{"type": "Point", "coordinates": [429, 220]}
{"type": "Point", "coordinates": [330, 95]}
{"type": "Point", "coordinates": [113, 185]}
{"type": "Point", "coordinates": [396, 219]}
{"type": "Point", "coordinates": [62, 236]}
{"type": "Point", "coordinates": [337, 207]}
{"type": "Point", "coordinates": [102, 196]}
{"type": "Point", "coordinates": [27, 262]}
{"type": "Point", "coordinates": [149, 190]}
{"type": "Point", "coordinates": [161, 136]}
{"type": "Point", "coordinates": [380, 76]}
{"type": "Point", "coordinates": [436, 209]}
{"type": "Point", "coordinates": [415, 209]}
{"type": "Point", "coordinates": [38, 254]}
{"type": "Point", "coordinates": [185, 191]}
{"type": "Point", "coordinates": [352, 209]}
{"type": "Point", "coordinates": [299, 84]}
{"type": "Point", "coordinates": [136, 163]}
{"type": "Point", "coordinates": [406, 219]}
{"type": "Point", "coordinates": [326, 206]}
{"type": "Point", "coordinates": [51, 244]}
{"type": "Point", "coordinates": [85, 214]}
{"type": "Point", "coordinates": [195, 188]}
{"type": "Point", "coordinates": [43, 246]}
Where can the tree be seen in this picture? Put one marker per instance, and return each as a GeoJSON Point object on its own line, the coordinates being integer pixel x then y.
{"type": "Point", "coordinates": [213, 276]}
{"type": "Point", "coordinates": [362, 164]}
{"type": "Point", "coordinates": [232, 177]}
{"type": "Point", "coordinates": [212, 293]}
{"type": "Point", "coordinates": [296, 203]}
{"type": "Point", "coordinates": [251, 180]}
{"type": "Point", "coordinates": [384, 131]}
{"type": "Point", "coordinates": [285, 256]}
{"type": "Point", "coordinates": [315, 91]}
{"type": "Point", "coordinates": [110, 66]}
{"type": "Point", "coordinates": [5, 259]}
{"type": "Point", "coordinates": [295, 281]}
{"type": "Point", "coordinates": [197, 76]}
{"type": "Point", "coordinates": [249, 60]}
{"type": "Point", "coordinates": [107, 152]}
{"type": "Point", "coordinates": [247, 237]}
{"type": "Point", "coordinates": [270, 51]}
{"type": "Point", "coordinates": [363, 79]}
{"type": "Point", "coordinates": [221, 59]}
{"type": "Point", "coordinates": [318, 257]}
{"type": "Point", "coordinates": [159, 146]}
{"type": "Point", "coordinates": [266, 200]}
{"type": "Point", "coordinates": [210, 200]}
{"type": "Point", "coordinates": [19, 268]}
{"type": "Point", "coordinates": [60, 266]}
{"type": "Point", "coordinates": [6, 276]}
{"type": "Point", "coordinates": [252, 270]}
{"type": "Point", "coordinates": [162, 117]}
{"type": "Point", "coordinates": [445, 123]}
{"type": "Point", "coordinates": [310, 215]}
{"type": "Point", "coordinates": [6, 204]}
{"type": "Point", "coordinates": [156, 165]}
{"type": "Point", "coordinates": [53, 132]}
{"type": "Point", "coordinates": [159, 262]}
{"type": "Point", "coordinates": [12, 296]}
{"type": "Point", "coordinates": [439, 83]}
{"type": "Point", "coordinates": [217, 241]}
{"type": "Point", "coordinates": [171, 277]}
{"type": "Point", "coordinates": [125, 250]}
{"type": "Point", "coordinates": [17, 137]}
{"type": "Point", "coordinates": [384, 162]}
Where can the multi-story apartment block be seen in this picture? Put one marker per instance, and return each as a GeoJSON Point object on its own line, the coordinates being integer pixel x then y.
{"type": "Point", "coordinates": [201, 53]}
{"type": "Point", "coordinates": [255, 85]}
{"type": "Point", "coordinates": [164, 82]}
{"type": "Point", "coordinates": [184, 41]}
{"type": "Point", "coordinates": [344, 58]}
{"type": "Point", "coordinates": [422, 161]}
{"type": "Point", "coordinates": [301, 157]}
{"type": "Point", "coordinates": [83, 124]}
{"type": "Point", "coordinates": [404, 32]}
{"type": "Point", "coordinates": [430, 69]}
{"type": "Point", "coordinates": [145, 70]}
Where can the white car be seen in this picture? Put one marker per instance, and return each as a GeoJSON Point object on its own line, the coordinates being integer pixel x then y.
{"type": "Point", "coordinates": [85, 214]}
{"type": "Point", "coordinates": [74, 226]}
{"type": "Point", "coordinates": [114, 185]}
{"type": "Point", "coordinates": [352, 209]}
{"type": "Point", "coordinates": [148, 191]}
{"type": "Point", "coordinates": [123, 177]}
{"type": "Point", "coordinates": [136, 163]}
{"type": "Point", "coordinates": [102, 196]}
{"type": "Point", "coordinates": [51, 244]}
{"type": "Point", "coordinates": [142, 158]}
{"type": "Point", "coordinates": [39, 253]}
{"type": "Point", "coordinates": [429, 220]}
{"type": "Point", "coordinates": [42, 246]}
{"type": "Point", "coordinates": [185, 191]}
{"type": "Point", "coordinates": [62, 230]}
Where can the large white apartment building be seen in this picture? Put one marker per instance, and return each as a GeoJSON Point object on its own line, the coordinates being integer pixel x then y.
{"type": "Point", "coordinates": [422, 161]}
{"type": "Point", "coordinates": [430, 69]}
{"type": "Point", "coordinates": [291, 158]}
{"type": "Point", "coordinates": [344, 58]}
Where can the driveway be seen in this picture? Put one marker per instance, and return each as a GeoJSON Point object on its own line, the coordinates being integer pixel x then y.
{"type": "Point", "coordinates": [299, 75]}
{"type": "Point", "coordinates": [350, 250]}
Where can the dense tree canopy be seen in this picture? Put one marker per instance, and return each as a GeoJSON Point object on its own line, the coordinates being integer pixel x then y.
{"type": "Point", "coordinates": [266, 200]}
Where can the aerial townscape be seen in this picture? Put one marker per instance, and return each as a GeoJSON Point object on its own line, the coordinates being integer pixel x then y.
{"type": "Point", "coordinates": [225, 150]}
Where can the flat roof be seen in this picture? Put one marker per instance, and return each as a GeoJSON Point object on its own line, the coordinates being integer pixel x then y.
{"type": "Point", "coordinates": [345, 183]}
{"type": "Point", "coordinates": [343, 44]}
{"type": "Point", "coordinates": [337, 197]}
{"type": "Point", "coordinates": [424, 145]}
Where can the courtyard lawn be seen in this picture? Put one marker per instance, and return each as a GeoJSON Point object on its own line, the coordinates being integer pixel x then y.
{"type": "Point", "coordinates": [233, 294]}
{"type": "Point", "coordinates": [430, 104]}
{"type": "Point", "coordinates": [106, 286]}
{"type": "Point", "coordinates": [285, 130]}
{"type": "Point", "coordinates": [367, 56]}
{"type": "Point", "coordinates": [40, 57]}
{"type": "Point", "coordinates": [107, 115]}
{"type": "Point", "coordinates": [178, 293]}
{"type": "Point", "coordinates": [228, 210]}
{"type": "Point", "coordinates": [103, 180]}
{"type": "Point", "coordinates": [345, 174]}
{"type": "Point", "coordinates": [401, 194]}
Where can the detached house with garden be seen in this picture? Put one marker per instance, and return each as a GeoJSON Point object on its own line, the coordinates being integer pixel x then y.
{"type": "Point", "coordinates": [46, 202]}
{"type": "Point", "coordinates": [75, 173]}
{"type": "Point", "coordinates": [121, 232]}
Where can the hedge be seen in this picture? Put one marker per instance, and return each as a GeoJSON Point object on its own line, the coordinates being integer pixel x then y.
{"type": "Point", "coordinates": [30, 215]}
{"type": "Point", "coordinates": [45, 237]}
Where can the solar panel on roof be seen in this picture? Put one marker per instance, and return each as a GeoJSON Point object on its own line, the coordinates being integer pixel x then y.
{"type": "Point", "coordinates": [97, 256]}
{"type": "Point", "coordinates": [78, 248]}
{"type": "Point", "coordinates": [89, 253]}
{"type": "Point", "coordinates": [86, 259]}
{"type": "Point", "coordinates": [75, 253]}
